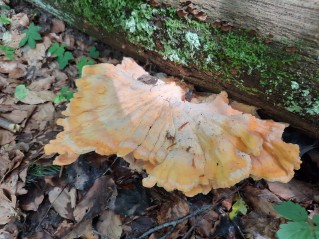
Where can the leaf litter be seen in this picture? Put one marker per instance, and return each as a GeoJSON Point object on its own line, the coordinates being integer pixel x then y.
{"type": "Point", "coordinates": [100, 196]}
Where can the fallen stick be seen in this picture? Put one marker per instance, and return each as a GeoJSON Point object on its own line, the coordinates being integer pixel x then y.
{"type": "Point", "coordinates": [8, 125]}
{"type": "Point", "coordinates": [195, 213]}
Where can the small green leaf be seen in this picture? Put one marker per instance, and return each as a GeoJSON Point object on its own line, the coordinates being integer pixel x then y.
{"type": "Point", "coordinates": [315, 219]}
{"type": "Point", "coordinates": [93, 53]}
{"type": "Point", "coordinates": [8, 51]}
{"type": "Point", "coordinates": [21, 92]}
{"type": "Point", "coordinates": [56, 49]}
{"type": "Point", "coordinates": [4, 7]}
{"type": "Point", "coordinates": [296, 230]}
{"type": "Point", "coordinates": [291, 211]}
{"type": "Point", "coordinates": [83, 62]}
{"type": "Point", "coordinates": [32, 35]}
{"type": "Point", "coordinates": [65, 95]}
{"type": "Point", "coordinates": [239, 206]}
{"type": "Point", "coordinates": [64, 59]}
{"type": "Point", "coordinates": [4, 20]}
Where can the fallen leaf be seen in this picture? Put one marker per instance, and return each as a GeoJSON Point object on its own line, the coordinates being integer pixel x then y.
{"type": "Point", "coordinates": [7, 207]}
{"type": "Point", "coordinates": [32, 200]}
{"type": "Point", "coordinates": [109, 225]}
{"type": "Point", "coordinates": [12, 38]}
{"type": "Point", "coordinates": [9, 231]}
{"type": "Point", "coordinates": [18, 20]}
{"type": "Point", "coordinates": [173, 210]}
{"type": "Point", "coordinates": [297, 190]}
{"type": "Point", "coordinates": [261, 200]}
{"type": "Point", "coordinates": [13, 183]}
{"type": "Point", "coordinates": [57, 26]}
{"type": "Point", "coordinates": [42, 84]}
{"type": "Point", "coordinates": [61, 200]}
{"type": "Point", "coordinates": [38, 97]}
{"type": "Point", "coordinates": [96, 199]}
{"type": "Point", "coordinates": [33, 55]}
{"type": "Point", "coordinates": [9, 161]}
{"type": "Point", "coordinates": [6, 137]}
{"type": "Point", "coordinates": [14, 68]}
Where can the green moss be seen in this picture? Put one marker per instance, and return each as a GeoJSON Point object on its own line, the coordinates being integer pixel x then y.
{"type": "Point", "coordinates": [234, 55]}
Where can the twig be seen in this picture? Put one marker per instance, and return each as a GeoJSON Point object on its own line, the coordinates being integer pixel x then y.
{"type": "Point", "coordinates": [188, 232]}
{"type": "Point", "coordinates": [175, 222]}
{"type": "Point", "coordinates": [6, 124]}
{"type": "Point", "coordinates": [194, 213]}
{"type": "Point", "coordinates": [168, 233]}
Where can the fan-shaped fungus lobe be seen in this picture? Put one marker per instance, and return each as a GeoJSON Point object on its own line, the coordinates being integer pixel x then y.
{"type": "Point", "coordinates": [190, 146]}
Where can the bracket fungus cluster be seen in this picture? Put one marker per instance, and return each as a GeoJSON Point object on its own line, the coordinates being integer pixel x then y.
{"type": "Point", "coordinates": [190, 146]}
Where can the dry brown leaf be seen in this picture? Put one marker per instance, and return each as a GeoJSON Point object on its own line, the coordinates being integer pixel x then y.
{"type": "Point", "coordinates": [13, 183]}
{"type": "Point", "coordinates": [96, 199]}
{"type": "Point", "coordinates": [297, 190]}
{"type": "Point", "coordinates": [61, 200]}
{"type": "Point", "coordinates": [14, 68]}
{"type": "Point", "coordinates": [7, 207]}
{"type": "Point", "coordinates": [109, 225]}
{"type": "Point", "coordinates": [42, 84]}
{"type": "Point", "coordinates": [9, 231]}
{"type": "Point", "coordinates": [38, 97]}
{"type": "Point", "coordinates": [32, 200]}
{"type": "Point", "coordinates": [34, 55]}
{"type": "Point", "coordinates": [261, 200]}
{"type": "Point", "coordinates": [171, 211]}
{"type": "Point", "coordinates": [9, 161]}
{"type": "Point", "coordinates": [18, 20]}
{"type": "Point", "coordinates": [6, 137]}
{"type": "Point", "coordinates": [57, 26]}
{"type": "Point", "coordinates": [78, 230]}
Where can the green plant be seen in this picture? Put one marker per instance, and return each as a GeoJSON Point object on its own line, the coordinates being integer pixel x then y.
{"type": "Point", "coordinates": [65, 94]}
{"type": "Point", "coordinates": [4, 20]}
{"type": "Point", "coordinates": [300, 227]}
{"type": "Point", "coordinates": [63, 57]}
{"type": "Point", "coordinates": [83, 62]}
{"type": "Point", "coordinates": [32, 35]}
{"type": "Point", "coordinates": [36, 171]}
{"type": "Point", "coordinates": [8, 51]}
{"type": "Point", "coordinates": [93, 53]}
{"type": "Point", "coordinates": [239, 206]}
{"type": "Point", "coordinates": [4, 7]}
{"type": "Point", "coordinates": [21, 92]}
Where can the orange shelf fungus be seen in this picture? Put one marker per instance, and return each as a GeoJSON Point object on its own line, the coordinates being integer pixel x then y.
{"type": "Point", "coordinates": [190, 146]}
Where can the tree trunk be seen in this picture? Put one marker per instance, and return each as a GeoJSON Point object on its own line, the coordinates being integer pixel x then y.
{"type": "Point", "coordinates": [283, 80]}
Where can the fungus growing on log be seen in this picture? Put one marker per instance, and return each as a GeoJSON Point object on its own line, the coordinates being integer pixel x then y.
{"type": "Point", "coordinates": [190, 146]}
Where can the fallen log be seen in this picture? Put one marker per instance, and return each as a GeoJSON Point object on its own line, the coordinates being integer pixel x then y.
{"type": "Point", "coordinates": [252, 67]}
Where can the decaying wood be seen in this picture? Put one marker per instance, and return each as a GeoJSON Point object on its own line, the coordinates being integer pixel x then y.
{"type": "Point", "coordinates": [290, 20]}
{"type": "Point", "coordinates": [303, 26]}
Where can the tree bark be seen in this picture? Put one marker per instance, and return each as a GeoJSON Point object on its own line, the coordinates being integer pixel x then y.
{"type": "Point", "coordinates": [287, 93]}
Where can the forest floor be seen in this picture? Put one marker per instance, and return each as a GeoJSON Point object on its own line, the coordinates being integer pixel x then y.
{"type": "Point", "coordinates": [100, 196]}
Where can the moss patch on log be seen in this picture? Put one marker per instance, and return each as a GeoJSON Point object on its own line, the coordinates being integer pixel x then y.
{"type": "Point", "coordinates": [243, 59]}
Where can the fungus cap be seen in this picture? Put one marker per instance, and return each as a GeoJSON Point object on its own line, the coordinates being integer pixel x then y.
{"type": "Point", "coordinates": [190, 146]}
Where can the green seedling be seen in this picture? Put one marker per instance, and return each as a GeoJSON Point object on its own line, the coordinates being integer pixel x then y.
{"type": "Point", "coordinates": [63, 57]}
{"type": "Point", "coordinates": [4, 7]}
{"type": "Point", "coordinates": [300, 226]}
{"type": "Point", "coordinates": [93, 53]}
{"type": "Point", "coordinates": [239, 206]}
{"type": "Point", "coordinates": [32, 35]}
{"type": "Point", "coordinates": [83, 62]}
{"type": "Point", "coordinates": [36, 171]}
{"type": "Point", "coordinates": [4, 20]}
{"type": "Point", "coordinates": [8, 51]}
{"type": "Point", "coordinates": [65, 94]}
{"type": "Point", "coordinates": [21, 92]}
